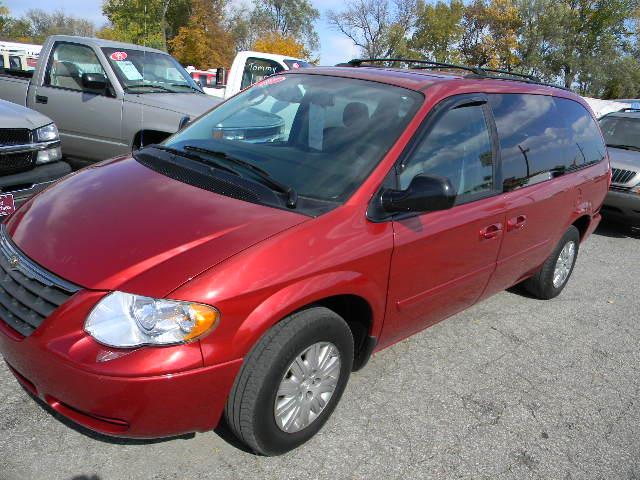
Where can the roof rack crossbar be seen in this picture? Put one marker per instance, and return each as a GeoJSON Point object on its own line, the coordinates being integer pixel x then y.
{"type": "Point", "coordinates": [477, 72]}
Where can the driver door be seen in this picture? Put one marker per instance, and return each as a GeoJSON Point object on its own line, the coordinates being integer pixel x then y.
{"type": "Point", "coordinates": [89, 121]}
{"type": "Point", "coordinates": [443, 260]}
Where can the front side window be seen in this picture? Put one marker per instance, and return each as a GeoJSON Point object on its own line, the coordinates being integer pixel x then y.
{"type": "Point", "coordinates": [457, 147]}
{"type": "Point", "coordinates": [68, 63]}
{"type": "Point", "coordinates": [320, 135]}
{"type": "Point", "coordinates": [257, 69]}
{"type": "Point", "coordinates": [621, 131]}
{"type": "Point", "coordinates": [140, 71]}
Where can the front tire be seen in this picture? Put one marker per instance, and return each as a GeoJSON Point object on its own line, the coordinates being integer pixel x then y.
{"type": "Point", "coordinates": [291, 381]}
{"type": "Point", "coordinates": [551, 279]}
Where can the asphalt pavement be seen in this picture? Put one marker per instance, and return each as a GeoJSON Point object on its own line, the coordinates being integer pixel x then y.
{"type": "Point", "coordinates": [513, 388]}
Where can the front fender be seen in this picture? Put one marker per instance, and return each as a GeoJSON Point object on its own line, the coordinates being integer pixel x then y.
{"type": "Point", "coordinates": [289, 299]}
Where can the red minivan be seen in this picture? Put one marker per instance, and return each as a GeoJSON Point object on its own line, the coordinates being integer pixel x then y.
{"type": "Point", "coordinates": [245, 276]}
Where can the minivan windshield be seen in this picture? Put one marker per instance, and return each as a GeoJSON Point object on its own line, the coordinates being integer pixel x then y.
{"type": "Point", "coordinates": [140, 71]}
{"type": "Point", "coordinates": [621, 132]}
{"type": "Point", "coordinates": [319, 135]}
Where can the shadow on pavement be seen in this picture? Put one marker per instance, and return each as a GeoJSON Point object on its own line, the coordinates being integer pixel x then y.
{"type": "Point", "coordinates": [610, 229]}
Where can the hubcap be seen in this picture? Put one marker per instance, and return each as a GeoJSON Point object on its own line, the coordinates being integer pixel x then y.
{"type": "Point", "coordinates": [307, 387]}
{"type": "Point", "coordinates": [564, 264]}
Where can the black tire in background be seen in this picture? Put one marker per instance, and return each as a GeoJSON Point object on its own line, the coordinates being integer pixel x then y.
{"type": "Point", "coordinates": [541, 284]}
{"type": "Point", "coordinates": [250, 407]}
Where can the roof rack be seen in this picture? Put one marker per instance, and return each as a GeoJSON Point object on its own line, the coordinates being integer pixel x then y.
{"type": "Point", "coordinates": [629, 109]}
{"type": "Point", "coordinates": [476, 72]}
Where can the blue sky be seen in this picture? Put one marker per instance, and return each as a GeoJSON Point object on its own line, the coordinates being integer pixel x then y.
{"type": "Point", "coordinates": [334, 47]}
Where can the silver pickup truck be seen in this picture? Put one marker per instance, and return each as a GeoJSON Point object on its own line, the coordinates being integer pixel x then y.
{"type": "Point", "coordinates": [29, 155]}
{"type": "Point", "coordinates": [106, 98]}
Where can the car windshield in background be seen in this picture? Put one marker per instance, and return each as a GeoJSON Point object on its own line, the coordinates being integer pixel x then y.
{"type": "Point", "coordinates": [319, 135]}
{"type": "Point", "coordinates": [621, 132]}
{"type": "Point", "coordinates": [148, 72]}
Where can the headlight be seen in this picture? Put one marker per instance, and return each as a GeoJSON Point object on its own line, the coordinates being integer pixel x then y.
{"type": "Point", "coordinates": [48, 133]}
{"type": "Point", "coordinates": [124, 320]}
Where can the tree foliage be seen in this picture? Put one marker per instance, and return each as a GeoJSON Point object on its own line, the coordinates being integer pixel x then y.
{"type": "Point", "coordinates": [204, 41]}
{"type": "Point", "coordinates": [275, 42]}
{"type": "Point", "coordinates": [589, 45]}
{"type": "Point", "coordinates": [379, 28]}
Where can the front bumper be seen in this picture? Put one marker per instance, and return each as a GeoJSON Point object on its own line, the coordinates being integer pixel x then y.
{"type": "Point", "coordinates": [622, 207]}
{"type": "Point", "coordinates": [26, 184]}
{"type": "Point", "coordinates": [142, 393]}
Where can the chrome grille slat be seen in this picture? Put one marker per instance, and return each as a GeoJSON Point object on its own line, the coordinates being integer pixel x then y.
{"type": "Point", "coordinates": [28, 293]}
{"type": "Point", "coordinates": [621, 176]}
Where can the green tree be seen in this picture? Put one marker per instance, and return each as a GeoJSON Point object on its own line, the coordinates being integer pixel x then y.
{"type": "Point", "coordinates": [438, 30]}
{"type": "Point", "coordinates": [290, 18]}
{"type": "Point", "coordinates": [144, 22]}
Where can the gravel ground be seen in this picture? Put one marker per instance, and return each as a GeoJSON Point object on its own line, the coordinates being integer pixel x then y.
{"type": "Point", "coordinates": [512, 388]}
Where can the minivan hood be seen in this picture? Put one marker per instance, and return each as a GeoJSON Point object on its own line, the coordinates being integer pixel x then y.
{"type": "Point", "coordinates": [17, 116]}
{"type": "Point", "coordinates": [192, 104]}
{"type": "Point", "coordinates": [118, 225]}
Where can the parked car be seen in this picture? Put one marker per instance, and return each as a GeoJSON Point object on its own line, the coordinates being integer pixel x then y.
{"type": "Point", "coordinates": [211, 276]}
{"type": "Point", "coordinates": [107, 98]}
{"type": "Point", "coordinates": [622, 134]}
{"type": "Point", "coordinates": [30, 157]}
{"type": "Point", "coordinates": [248, 68]}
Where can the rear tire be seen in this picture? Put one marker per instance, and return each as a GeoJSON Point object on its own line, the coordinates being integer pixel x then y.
{"type": "Point", "coordinates": [258, 394]}
{"type": "Point", "coordinates": [551, 279]}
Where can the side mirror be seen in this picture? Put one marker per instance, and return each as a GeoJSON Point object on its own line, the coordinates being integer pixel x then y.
{"type": "Point", "coordinates": [94, 81]}
{"type": "Point", "coordinates": [184, 121]}
{"type": "Point", "coordinates": [426, 193]}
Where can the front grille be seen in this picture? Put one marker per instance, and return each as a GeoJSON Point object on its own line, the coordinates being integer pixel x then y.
{"type": "Point", "coordinates": [622, 176]}
{"type": "Point", "coordinates": [14, 136]}
{"type": "Point", "coordinates": [28, 293]}
{"type": "Point", "coordinates": [16, 162]}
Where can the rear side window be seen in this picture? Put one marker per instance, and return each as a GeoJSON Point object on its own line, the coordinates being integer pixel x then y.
{"type": "Point", "coordinates": [542, 137]}
{"type": "Point", "coordinates": [585, 142]}
{"type": "Point", "coordinates": [531, 138]}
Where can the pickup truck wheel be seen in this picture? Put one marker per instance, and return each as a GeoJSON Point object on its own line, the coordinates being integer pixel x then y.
{"type": "Point", "coordinates": [556, 270]}
{"type": "Point", "coordinates": [291, 381]}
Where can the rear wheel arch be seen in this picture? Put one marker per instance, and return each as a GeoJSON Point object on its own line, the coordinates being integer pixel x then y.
{"type": "Point", "coordinates": [582, 224]}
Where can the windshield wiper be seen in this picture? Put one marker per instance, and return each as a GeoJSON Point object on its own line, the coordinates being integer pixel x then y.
{"type": "Point", "coordinates": [186, 85]}
{"type": "Point", "coordinates": [267, 179]}
{"type": "Point", "coordinates": [147, 85]}
{"type": "Point", "coordinates": [197, 158]}
{"type": "Point", "coordinates": [624, 147]}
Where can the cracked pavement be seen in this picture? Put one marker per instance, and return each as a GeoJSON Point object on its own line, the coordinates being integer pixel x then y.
{"type": "Point", "coordinates": [513, 388]}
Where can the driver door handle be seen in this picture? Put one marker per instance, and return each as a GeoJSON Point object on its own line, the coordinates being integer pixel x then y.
{"type": "Point", "coordinates": [490, 232]}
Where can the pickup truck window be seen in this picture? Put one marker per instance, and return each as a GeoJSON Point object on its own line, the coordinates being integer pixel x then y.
{"type": "Point", "coordinates": [256, 69]}
{"type": "Point", "coordinates": [320, 135]}
{"type": "Point", "coordinates": [140, 71]}
{"type": "Point", "coordinates": [68, 62]}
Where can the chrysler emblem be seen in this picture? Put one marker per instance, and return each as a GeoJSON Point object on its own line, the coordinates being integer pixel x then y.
{"type": "Point", "coordinates": [14, 262]}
